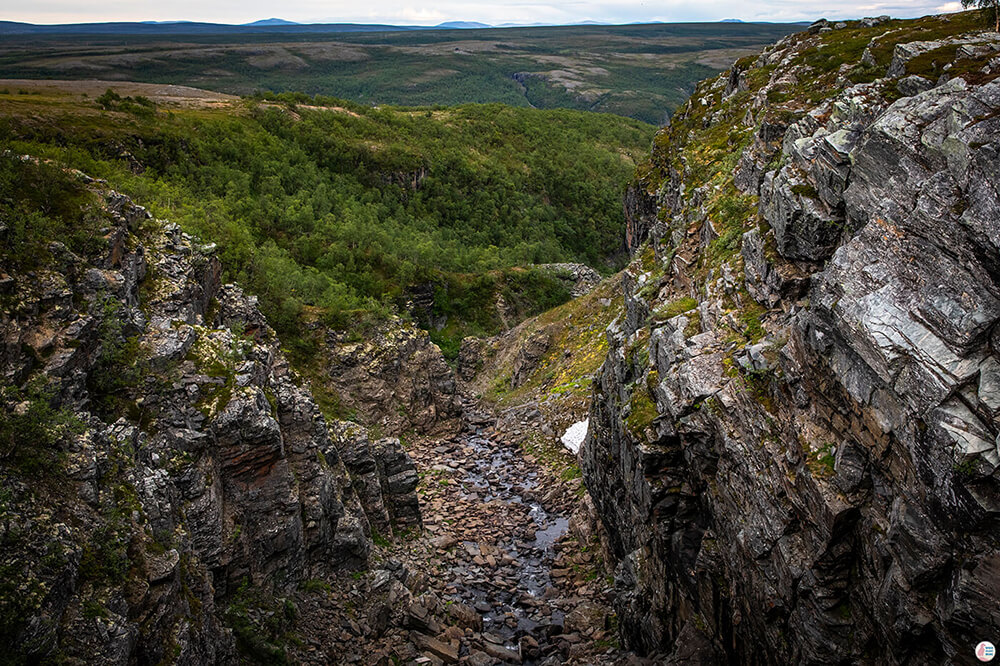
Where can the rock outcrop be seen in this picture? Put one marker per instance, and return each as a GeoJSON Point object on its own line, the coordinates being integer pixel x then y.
{"type": "Point", "coordinates": [395, 379]}
{"type": "Point", "coordinates": [165, 459]}
{"type": "Point", "coordinates": [793, 441]}
{"type": "Point", "coordinates": [580, 279]}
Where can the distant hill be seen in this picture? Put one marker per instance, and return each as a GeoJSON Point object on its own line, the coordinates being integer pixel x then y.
{"type": "Point", "coordinates": [272, 21]}
{"type": "Point", "coordinates": [269, 25]}
{"type": "Point", "coordinates": [463, 25]}
{"type": "Point", "coordinates": [642, 70]}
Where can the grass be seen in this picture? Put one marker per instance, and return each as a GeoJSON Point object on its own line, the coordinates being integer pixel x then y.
{"type": "Point", "coordinates": [676, 307]}
{"type": "Point", "coordinates": [315, 586]}
{"type": "Point", "coordinates": [559, 462]}
{"type": "Point", "coordinates": [578, 348]}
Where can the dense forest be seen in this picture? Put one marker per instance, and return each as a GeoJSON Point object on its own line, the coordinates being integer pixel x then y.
{"type": "Point", "coordinates": [336, 211]}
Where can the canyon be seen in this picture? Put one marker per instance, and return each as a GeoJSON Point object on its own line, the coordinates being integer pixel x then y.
{"type": "Point", "coordinates": [789, 396]}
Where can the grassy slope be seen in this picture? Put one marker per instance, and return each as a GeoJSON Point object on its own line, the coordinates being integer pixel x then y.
{"type": "Point", "coordinates": [565, 372]}
{"type": "Point", "coordinates": [641, 71]}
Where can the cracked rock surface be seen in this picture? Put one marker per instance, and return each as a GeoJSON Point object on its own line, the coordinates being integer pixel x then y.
{"type": "Point", "coordinates": [793, 441]}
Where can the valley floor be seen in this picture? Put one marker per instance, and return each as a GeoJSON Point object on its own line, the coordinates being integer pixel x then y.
{"type": "Point", "coordinates": [507, 569]}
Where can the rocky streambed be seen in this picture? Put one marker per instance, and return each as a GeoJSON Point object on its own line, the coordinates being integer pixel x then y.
{"type": "Point", "coordinates": [505, 571]}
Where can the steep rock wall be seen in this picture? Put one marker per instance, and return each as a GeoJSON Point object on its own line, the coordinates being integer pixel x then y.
{"type": "Point", "coordinates": [793, 441]}
{"type": "Point", "coordinates": [181, 461]}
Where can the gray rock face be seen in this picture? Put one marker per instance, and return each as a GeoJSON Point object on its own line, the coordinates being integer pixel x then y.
{"type": "Point", "coordinates": [975, 46]}
{"type": "Point", "coordinates": [580, 279]}
{"type": "Point", "coordinates": [184, 459]}
{"type": "Point", "coordinates": [396, 379]}
{"type": "Point", "coordinates": [529, 355]}
{"type": "Point", "coordinates": [640, 213]}
{"type": "Point", "coordinates": [824, 489]}
{"type": "Point", "coordinates": [385, 478]}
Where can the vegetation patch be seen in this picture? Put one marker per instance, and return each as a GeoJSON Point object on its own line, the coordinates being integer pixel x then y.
{"type": "Point", "coordinates": [139, 105]}
{"type": "Point", "coordinates": [579, 346]}
{"type": "Point", "coordinates": [334, 212]}
{"type": "Point", "coordinates": [821, 460]}
{"type": "Point", "coordinates": [262, 624]}
{"type": "Point", "coordinates": [642, 412]}
{"type": "Point", "coordinates": [32, 427]}
{"type": "Point", "coordinates": [675, 307]}
{"type": "Point", "coordinates": [41, 203]}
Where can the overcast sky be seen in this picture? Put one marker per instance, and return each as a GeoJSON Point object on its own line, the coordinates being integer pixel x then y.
{"type": "Point", "coordinates": [419, 12]}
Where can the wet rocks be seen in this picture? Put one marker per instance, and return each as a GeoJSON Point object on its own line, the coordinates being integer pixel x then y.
{"type": "Point", "coordinates": [496, 572]}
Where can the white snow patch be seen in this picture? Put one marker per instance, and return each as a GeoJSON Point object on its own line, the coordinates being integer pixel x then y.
{"type": "Point", "coordinates": [573, 438]}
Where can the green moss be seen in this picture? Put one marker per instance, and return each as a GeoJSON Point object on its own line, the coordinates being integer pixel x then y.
{"type": "Point", "coordinates": [32, 426]}
{"type": "Point", "coordinates": [92, 609]}
{"type": "Point", "coordinates": [218, 356]}
{"type": "Point", "coordinates": [642, 412]}
{"type": "Point", "coordinates": [315, 586]}
{"type": "Point", "coordinates": [105, 557]}
{"type": "Point", "coordinates": [637, 351]}
{"type": "Point", "coordinates": [965, 468]}
{"type": "Point", "coordinates": [652, 381]}
{"type": "Point", "coordinates": [693, 326]}
{"type": "Point", "coordinates": [714, 405]}
{"type": "Point", "coordinates": [805, 190]}
{"type": "Point", "coordinates": [759, 384]}
{"type": "Point", "coordinates": [557, 461]}
{"type": "Point", "coordinates": [262, 624]}
{"type": "Point", "coordinates": [821, 461]}
{"type": "Point", "coordinates": [750, 316]}
{"type": "Point", "coordinates": [570, 472]}
{"type": "Point", "coordinates": [675, 307]}
{"type": "Point", "coordinates": [120, 363]}
{"type": "Point", "coordinates": [732, 214]}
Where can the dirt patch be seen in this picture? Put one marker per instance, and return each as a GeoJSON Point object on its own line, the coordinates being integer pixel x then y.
{"type": "Point", "coordinates": [165, 94]}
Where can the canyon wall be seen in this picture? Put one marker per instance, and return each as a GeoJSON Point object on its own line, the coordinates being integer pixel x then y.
{"type": "Point", "coordinates": [162, 463]}
{"type": "Point", "coordinates": [793, 441]}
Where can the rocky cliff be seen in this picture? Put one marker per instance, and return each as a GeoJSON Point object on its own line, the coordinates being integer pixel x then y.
{"type": "Point", "coordinates": [165, 474]}
{"type": "Point", "coordinates": [793, 441]}
{"type": "Point", "coordinates": [394, 379]}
